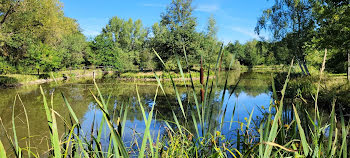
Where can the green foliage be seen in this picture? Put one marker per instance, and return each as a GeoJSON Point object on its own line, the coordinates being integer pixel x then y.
{"type": "Point", "coordinates": [274, 135]}
{"type": "Point", "coordinates": [72, 49]}
{"type": "Point", "coordinates": [42, 56]}
{"type": "Point", "coordinates": [106, 54]}
{"type": "Point", "coordinates": [291, 21]}
{"type": "Point", "coordinates": [253, 53]}
{"type": "Point", "coordinates": [5, 67]}
{"type": "Point", "coordinates": [34, 32]}
{"type": "Point", "coordinates": [334, 31]}
{"type": "Point", "coordinates": [36, 35]}
{"type": "Point", "coordinates": [122, 45]}
{"type": "Point", "coordinates": [175, 32]}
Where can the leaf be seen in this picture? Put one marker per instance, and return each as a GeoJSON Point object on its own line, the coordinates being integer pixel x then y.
{"type": "Point", "coordinates": [274, 128]}
{"type": "Point", "coordinates": [55, 138]}
{"type": "Point", "coordinates": [70, 109]}
{"type": "Point", "coordinates": [2, 150]}
{"type": "Point", "coordinates": [304, 143]}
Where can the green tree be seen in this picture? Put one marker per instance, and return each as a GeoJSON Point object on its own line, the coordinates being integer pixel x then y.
{"type": "Point", "coordinates": [125, 41]}
{"type": "Point", "coordinates": [292, 20]}
{"type": "Point", "coordinates": [334, 31]}
{"type": "Point", "coordinates": [209, 45]}
{"type": "Point", "coordinates": [106, 52]}
{"type": "Point", "coordinates": [180, 32]}
{"type": "Point", "coordinates": [252, 56]}
{"type": "Point", "coordinates": [28, 25]}
{"type": "Point", "coordinates": [73, 48]}
{"type": "Point", "coordinates": [42, 57]}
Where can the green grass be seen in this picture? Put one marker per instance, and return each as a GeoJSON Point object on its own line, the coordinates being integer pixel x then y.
{"type": "Point", "coordinates": [161, 74]}
{"type": "Point", "coordinates": [17, 78]}
{"type": "Point", "coordinates": [274, 135]}
{"type": "Point", "coordinates": [23, 79]}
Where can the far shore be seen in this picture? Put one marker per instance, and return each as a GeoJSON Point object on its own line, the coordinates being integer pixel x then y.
{"type": "Point", "coordinates": [17, 80]}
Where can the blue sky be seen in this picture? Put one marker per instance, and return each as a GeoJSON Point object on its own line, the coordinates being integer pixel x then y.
{"type": "Point", "coordinates": [235, 19]}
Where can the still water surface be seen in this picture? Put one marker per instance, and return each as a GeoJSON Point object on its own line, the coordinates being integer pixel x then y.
{"type": "Point", "coordinates": [252, 92]}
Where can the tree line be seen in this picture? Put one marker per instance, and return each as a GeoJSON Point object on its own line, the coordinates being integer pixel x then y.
{"type": "Point", "coordinates": [35, 36]}
{"type": "Point", "coordinates": [305, 28]}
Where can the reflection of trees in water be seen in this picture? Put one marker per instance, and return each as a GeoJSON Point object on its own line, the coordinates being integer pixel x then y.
{"type": "Point", "coordinates": [32, 100]}
{"type": "Point", "coordinates": [254, 83]}
{"type": "Point", "coordinates": [306, 88]}
{"type": "Point", "coordinates": [123, 93]}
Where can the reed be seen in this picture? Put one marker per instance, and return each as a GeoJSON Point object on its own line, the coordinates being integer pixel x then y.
{"type": "Point", "coordinates": [274, 135]}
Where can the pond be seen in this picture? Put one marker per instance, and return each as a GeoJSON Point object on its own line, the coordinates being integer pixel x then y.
{"type": "Point", "coordinates": [245, 92]}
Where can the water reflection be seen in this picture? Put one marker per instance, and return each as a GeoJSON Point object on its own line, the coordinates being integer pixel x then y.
{"type": "Point", "coordinates": [252, 92]}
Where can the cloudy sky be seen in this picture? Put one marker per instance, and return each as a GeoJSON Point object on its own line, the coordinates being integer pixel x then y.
{"type": "Point", "coordinates": [235, 19]}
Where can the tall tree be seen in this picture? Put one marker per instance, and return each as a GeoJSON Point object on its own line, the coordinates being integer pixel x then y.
{"type": "Point", "coordinates": [180, 23]}
{"type": "Point", "coordinates": [106, 51]}
{"type": "Point", "coordinates": [291, 19]}
{"type": "Point", "coordinates": [124, 40]}
{"type": "Point", "coordinates": [72, 49]}
{"type": "Point", "coordinates": [209, 44]}
{"type": "Point", "coordinates": [212, 28]}
{"type": "Point", "coordinates": [334, 21]}
{"type": "Point", "coordinates": [29, 25]}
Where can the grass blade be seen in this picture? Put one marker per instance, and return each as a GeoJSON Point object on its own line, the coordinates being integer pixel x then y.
{"type": "Point", "coordinates": [147, 133]}
{"type": "Point", "coordinates": [27, 120]}
{"type": "Point", "coordinates": [274, 128]}
{"type": "Point", "coordinates": [195, 124]}
{"type": "Point", "coordinates": [178, 96]}
{"type": "Point", "coordinates": [301, 133]}
{"type": "Point", "coordinates": [55, 138]}
{"type": "Point", "coordinates": [2, 150]}
{"type": "Point", "coordinates": [250, 119]}
{"type": "Point", "coordinates": [18, 154]}
{"type": "Point", "coordinates": [70, 109]}
{"type": "Point", "coordinates": [344, 132]}
{"type": "Point", "coordinates": [233, 114]}
{"type": "Point", "coordinates": [116, 139]}
{"type": "Point", "coordinates": [331, 128]}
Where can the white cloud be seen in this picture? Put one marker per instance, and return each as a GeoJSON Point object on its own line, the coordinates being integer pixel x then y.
{"type": "Point", "coordinates": [245, 31]}
{"type": "Point", "coordinates": [158, 5]}
{"type": "Point", "coordinates": [91, 33]}
{"type": "Point", "coordinates": [207, 8]}
{"type": "Point", "coordinates": [91, 27]}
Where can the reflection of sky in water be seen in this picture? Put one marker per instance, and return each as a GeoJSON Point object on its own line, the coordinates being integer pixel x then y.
{"type": "Point", "coordinates": [252, 91]}
{"type": "Point", "coordinates": [245, 104]}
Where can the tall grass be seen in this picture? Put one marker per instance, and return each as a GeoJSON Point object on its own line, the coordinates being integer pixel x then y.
{"type": "Point", "coordinates": [275, 135]}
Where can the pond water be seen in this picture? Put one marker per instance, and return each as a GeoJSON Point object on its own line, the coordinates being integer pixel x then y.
{"type": "Point", "coordinates": [253, 91]}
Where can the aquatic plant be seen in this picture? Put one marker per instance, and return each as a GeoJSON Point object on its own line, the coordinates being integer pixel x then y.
{"type": "Point", "coordinates": [275, 135]}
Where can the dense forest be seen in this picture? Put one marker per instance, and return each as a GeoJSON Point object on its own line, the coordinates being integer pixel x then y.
{"type": "Point", "coordinates": [36, 36]}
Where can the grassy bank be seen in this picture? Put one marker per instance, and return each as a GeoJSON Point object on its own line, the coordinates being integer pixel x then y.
{"type": "Point", "coordinates": [12, 80]}
{"type": "Point", "coordinates": [29, 79]}
{"type": "Point", "coordinates": [332, 86]}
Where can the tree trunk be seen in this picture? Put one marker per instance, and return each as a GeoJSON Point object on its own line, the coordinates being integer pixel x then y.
{"type": "Point", "coordinates": [348, 75]}
{"type": "Point", "coordinates": [301, 68]}
{"type": "Point", "coordinates": [306, 69]}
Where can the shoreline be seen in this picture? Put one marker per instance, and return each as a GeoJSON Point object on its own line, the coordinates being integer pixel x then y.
{"type": "Point", "coordinates": [126, 76]}
{"type": "Point", "coordinates": [53, 79]}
